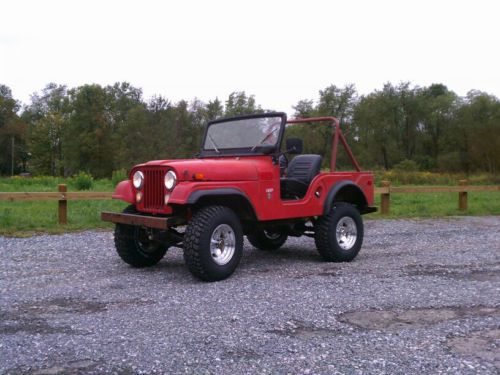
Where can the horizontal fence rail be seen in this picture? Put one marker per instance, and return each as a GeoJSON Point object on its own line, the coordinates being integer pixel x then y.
{"type": "Point", "coordinates": [62, 196]}
{"type": "Point", "coordinates": [47, 196]}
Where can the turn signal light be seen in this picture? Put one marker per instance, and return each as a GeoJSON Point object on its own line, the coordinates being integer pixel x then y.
{"type": "Point", "coordinates": [199, 176]}
{"type": "Point", "coordinates": [138, 197]}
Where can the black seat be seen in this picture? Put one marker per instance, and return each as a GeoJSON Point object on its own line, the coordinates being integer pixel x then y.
{"type": "Point", "coordinates": [301, 170]}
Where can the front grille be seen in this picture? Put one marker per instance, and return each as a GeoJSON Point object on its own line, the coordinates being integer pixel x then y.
{"type": "Point", "coordinates": [154, 188]}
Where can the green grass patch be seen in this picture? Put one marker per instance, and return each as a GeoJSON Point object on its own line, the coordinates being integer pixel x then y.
{"type": "Point", "coordinates": [23, 218]}
{"type": "Point", "coordinates": [413, 205]}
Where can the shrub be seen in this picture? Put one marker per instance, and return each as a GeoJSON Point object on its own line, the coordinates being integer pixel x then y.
{"type": "Point", "coordinates": [118, 176]}
{"type": "Point", "coordinates": [82, 181]}
{"type": "Point", "coordinates": [406, 166]}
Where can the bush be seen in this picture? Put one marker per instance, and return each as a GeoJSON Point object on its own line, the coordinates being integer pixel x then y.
{"type": "Point", "coordinates": [118, 176]}
{"type": "Point", "coordinates": [406, 166]}
{"type": "Point", "coordinates": [82, 181]}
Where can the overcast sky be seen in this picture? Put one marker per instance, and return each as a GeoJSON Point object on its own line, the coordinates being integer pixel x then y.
{"type": "Point", "coordinates": [279, 51]}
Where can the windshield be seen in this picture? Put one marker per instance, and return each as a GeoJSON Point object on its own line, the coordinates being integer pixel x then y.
{"type": "Point", "coordinates": [246, 133]}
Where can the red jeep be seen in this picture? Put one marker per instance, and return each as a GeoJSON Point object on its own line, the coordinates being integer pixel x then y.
{"type": "Point", "coordinates": [241, 184]}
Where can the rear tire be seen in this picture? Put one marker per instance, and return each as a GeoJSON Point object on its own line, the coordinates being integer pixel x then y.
{"type": "Point", "coordinates": [133, 245]}
{"type": "Point", "coordinates": [213, 243]}
{"type": "Point", "coordinates": [267, 240]}
{"type": "Point", "coordinates": [339, 234]}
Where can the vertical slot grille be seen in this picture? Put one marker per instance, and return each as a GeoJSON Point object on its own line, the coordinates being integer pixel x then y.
{"type": "Point", "coordinates": [153, 188]}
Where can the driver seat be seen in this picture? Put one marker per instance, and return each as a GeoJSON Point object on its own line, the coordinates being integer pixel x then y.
{"type": "Point", "coordinates": [301, 170]}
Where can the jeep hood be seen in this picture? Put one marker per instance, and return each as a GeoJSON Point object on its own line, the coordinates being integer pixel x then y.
{"type": "Point", "coordinates": [216, 169]}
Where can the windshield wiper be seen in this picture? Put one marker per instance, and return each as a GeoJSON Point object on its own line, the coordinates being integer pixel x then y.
{"type": "Point", "coordinates": [264, 139]}
{"type": "Point", "coordinates": [213, 143]}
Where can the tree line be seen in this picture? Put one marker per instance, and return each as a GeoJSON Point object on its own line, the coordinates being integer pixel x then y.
{"type": "Point", "coordinates": [100, 129]}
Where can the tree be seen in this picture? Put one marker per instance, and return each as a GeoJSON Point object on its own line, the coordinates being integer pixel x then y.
{"type": "Point", "coordinates": [476, 132]}
{"type": "Point", "coordinates": [88, 142]}
{"type": "Point", "coordinates": [239, 103]}
{"type": "Point", "coordinates": [12, 133]}
{"type": "Point", "coordinates": [47, 116]}
{"type": "Point", "coordinates": [214, 109]}
{"type": "Point", "coordinates": [438, 108]}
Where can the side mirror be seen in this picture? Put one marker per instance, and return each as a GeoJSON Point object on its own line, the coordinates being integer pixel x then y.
{"type": "Point", "coordinates": [294, 146]}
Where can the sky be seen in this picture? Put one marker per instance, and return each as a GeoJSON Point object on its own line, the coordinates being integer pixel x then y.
{"type": "Point", "coordinates": [279, 51]}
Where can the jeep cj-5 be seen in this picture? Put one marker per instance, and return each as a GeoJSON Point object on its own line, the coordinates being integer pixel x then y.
{"type": "Point", "coordinates": [241, 184]}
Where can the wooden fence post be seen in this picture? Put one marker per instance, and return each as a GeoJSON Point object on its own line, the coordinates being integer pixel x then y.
{"type": "Point", "coordinates": [462, 196]}
{"type": "Point", "coordinates": [385, 199]}
{"type": "Point", "coordinates": [63, 205]}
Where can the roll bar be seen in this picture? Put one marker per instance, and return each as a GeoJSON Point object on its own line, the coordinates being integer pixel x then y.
{"type": "Point", "coordinates": [337, 135]}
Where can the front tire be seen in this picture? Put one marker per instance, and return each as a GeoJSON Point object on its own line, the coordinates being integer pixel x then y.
{"type": "Point", "coordinates": [267, 240]}
{"type": "Point", "coordinates": [339, 234]}
{"type": "Point", "coordinates": [213, 243]}
{"type": "Point", "coordinates": [134, 246]}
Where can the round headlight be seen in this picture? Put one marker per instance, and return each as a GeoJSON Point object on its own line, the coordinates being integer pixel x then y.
{"type": "Point", "coordinates": [138, 179]}
{"type": "Point", "coordinates": [170, 180]}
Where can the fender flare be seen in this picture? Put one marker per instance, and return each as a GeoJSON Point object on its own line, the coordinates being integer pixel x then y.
{"type": "Point", "coordinates": [124, 192]}
{"type": "Point", "coordinates": [196, 195]}
{"type": "Point", "coordinates": [335, 189]}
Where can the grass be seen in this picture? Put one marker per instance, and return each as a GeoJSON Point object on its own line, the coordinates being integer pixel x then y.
{"type": "Point", "coordinates": [27, 218]}
{"type": "Point", "coordinates": [24, 218]}
{"type": "Point", "coordinates": [422, 205]}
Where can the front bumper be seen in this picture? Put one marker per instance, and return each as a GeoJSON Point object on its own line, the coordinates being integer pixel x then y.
{"type": "Point", "coordinates": [162, 223]}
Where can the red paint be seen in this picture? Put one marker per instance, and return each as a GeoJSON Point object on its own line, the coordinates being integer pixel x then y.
{"type": "Point", "coordinates": [124, 191]}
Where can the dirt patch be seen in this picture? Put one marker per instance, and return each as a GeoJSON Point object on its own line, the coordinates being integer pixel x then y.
{"type": "Point", "coordinates": [481, 344]}
{"type": "Point", "coordinates": [401, 319]}
{"type": "Point", "coordinates": [71, 368]}
{"type": "Point", "coordinates": [327, 272]}
{"type": "Point", "coordinates": [33, 318]}
{"type": "Point", "coordinates": [464, 273]}
{"type": "Point", "coordinates": [63, 305]}
{"type": "Point", "coordinates": [11, 323]}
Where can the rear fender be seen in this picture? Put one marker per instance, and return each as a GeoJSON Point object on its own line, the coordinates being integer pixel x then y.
{"type": "Point", "coordinates": [345, 191]}
{"type": "Point", "coordinates": [124, 192]}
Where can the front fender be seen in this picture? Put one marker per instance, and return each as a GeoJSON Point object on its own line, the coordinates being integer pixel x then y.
{"type": "Point", "coordinates": [124, 192]}
{"type": "Point", "coordinates": [197, 194]}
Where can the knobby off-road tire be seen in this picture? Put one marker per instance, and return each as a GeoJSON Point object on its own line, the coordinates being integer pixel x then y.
{"type": "Point", "coordinates": [213, 243]}
{"type": "Point", "coordinates": [339, 234]}
{"type": "Point", "coordinates": [134, 247]}
{"type": "Point", "coordinates": [267, 240]}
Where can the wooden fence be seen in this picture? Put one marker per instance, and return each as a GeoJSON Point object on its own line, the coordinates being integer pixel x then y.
{"type": "Point", "coordinates": [62, 197]}
{"type": "Point", "coordinates": [385, 191]}
{"type": "Point", "coordinates": [462, 189]}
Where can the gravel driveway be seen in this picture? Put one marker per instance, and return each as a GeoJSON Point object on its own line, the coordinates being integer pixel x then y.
{"type": "Point", "coordinates": [422, 297]}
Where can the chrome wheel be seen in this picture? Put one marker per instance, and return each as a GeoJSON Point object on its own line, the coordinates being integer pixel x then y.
{"type": "Point", "coordinates": [346, 233]}
{"type": "Point", "coordinates": [222, 244]}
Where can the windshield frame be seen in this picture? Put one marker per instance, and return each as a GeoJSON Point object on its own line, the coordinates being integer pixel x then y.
{"type": "Point", "coordinates": [245, 151]}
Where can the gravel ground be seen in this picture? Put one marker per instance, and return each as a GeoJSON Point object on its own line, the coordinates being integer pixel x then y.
{"type": "Point", "coordinates": [422, 297]}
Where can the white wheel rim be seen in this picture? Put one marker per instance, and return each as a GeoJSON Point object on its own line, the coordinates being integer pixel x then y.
{"type": "Point", "coordinates": [346, 233]}
{"type": "Point", "coordinates": [222, 244]}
